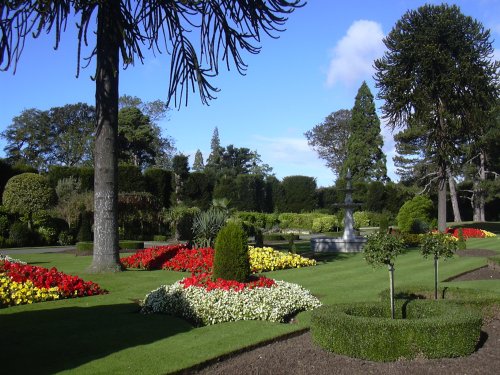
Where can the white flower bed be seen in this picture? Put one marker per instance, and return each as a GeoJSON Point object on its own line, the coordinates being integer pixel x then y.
{"type": "Point", "coordinates": [4, 257]}
{"type": "Point", "coordinates": [204, 307]}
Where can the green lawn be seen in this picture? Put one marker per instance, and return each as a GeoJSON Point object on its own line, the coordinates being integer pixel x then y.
{"type": "Point", "coordinates": [106, 334]}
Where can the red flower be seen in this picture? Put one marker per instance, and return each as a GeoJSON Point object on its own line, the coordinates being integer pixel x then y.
{"type": "Point", "coordinates": [204, 280]}
{"type": "Point", "coordinates": [152, 258]}
{"type": "Point", "coordinates": [69, 286]}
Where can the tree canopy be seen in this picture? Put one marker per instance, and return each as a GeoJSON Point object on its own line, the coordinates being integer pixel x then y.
{"type": "Point", "coordinates": [438, 74]}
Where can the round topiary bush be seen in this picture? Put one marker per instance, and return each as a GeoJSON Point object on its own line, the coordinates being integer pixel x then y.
{"type": "Point", "coordinates": [28, 193]}
{"type": "Point", "coordinates": [415, 215]}
{"type": "Point", "coordinates": [423, 328]}
{"type": "Point", "coordinates": [231, 260]}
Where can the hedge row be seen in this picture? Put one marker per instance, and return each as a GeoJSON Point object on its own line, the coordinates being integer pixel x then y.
{"type": "Point", "coordinates": [87, 248]}
{"type": "Point", "coordinates": [422, 328]}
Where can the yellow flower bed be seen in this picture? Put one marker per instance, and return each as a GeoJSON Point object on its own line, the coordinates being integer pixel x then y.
{"type": "Point", "coordinates": [488, 234]}
{"type": "Point", "coordinates": [13, 293]}
{"type": "Point", "coordinates": [267, 259]}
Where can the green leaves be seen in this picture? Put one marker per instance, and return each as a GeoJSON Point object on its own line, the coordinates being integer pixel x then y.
{"type": "Point", "coordinates": [439, 245]}
{"type": "Point", "coordinates": [382, 249]}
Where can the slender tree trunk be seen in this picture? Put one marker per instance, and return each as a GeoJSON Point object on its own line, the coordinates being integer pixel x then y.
{"type": "Point", "coordinates": [442, 200]}
{"type": "Point", "coordinates": [457, 218]}
{"type": "Point", "coordinates": [391, 280]}
{"type": "Point", "coordinates": [478, 201]}
{"type": "Point", "coordinates": [106, 255]}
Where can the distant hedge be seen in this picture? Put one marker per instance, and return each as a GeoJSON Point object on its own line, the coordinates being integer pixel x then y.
{"type": "Point", "coordinates": [429, 329]}
{"type": "Point", "coordinates": [87, 247]}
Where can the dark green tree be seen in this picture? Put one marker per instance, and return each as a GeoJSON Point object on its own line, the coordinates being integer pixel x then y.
{"type": "Point", "coordinates": [299, 194]}
{"type": "Point", "coordinates": [28, 139]}
{"type": "Point", "coordinates": [71, 134]}
{"type": "Point", "coordinates": [214, 158]}
{"type": "Point", "coordinates": [365, 158]}
{"type": "Point", "coordinates": [438, 74]}
{"type": "Point", "coordinates": [135, 138]}
{"type": "Point", "coordinates": [329, 139]}
{"type": "Point", "coordinates": [180, 166]}
{"type": "Point", "coordinates": [123, 28]}
{"type": "Point", "coordinates": [198, 164]}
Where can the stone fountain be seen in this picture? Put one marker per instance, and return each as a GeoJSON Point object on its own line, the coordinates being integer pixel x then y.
{"type": "Point", "coordinates": [349, 243]}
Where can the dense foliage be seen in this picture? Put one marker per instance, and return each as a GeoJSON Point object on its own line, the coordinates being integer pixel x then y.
{"type": "Point", "coordinates": [365, 330]}
{"type": "Point", "coordinates": [231, 261]}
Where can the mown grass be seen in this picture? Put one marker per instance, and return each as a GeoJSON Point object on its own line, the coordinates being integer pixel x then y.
{"type": "Point", "coordinates": [106, 334]}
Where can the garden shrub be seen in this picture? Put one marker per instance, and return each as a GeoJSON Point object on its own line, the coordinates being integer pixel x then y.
{"type": "Point", "coordinates": [259, 238]}
{"type": "Point", "coordinates": [206, 226]}
{"type": "Point", "coordinates": [27, 194]}
{"type": "Point", "coordinates": [159, 183]}
{"type": "Point", "coordinates": [48, 235]}
{"type": "Point", "coordinates": [422, 328]}
{"type": "Point", "coordinates": [324, 224]}
{"type": "Point", "coordinates": [4, 225]}
{"type": "Point", "coordinates": [410, 239]}
{"type": "Point", "coordinates": [65, 238]}
{"type": "Point", "coordinates": [130, 179]}
{"type": "Point", "coordinates": [20, 235]}
{"type": "Point", "coordinates": [180, 219]}
{"type": "Point", "coordinates": [415, 215]}
{"type": "Point", "coordinates": [231, 261]}
{"type": "Point", "coordinates": [361, 219]}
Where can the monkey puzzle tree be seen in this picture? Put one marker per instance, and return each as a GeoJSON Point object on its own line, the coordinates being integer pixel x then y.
{"type": "Point", "coordinates": [438, 73]}
{"type": "Point", "coordinates": [124, 28]}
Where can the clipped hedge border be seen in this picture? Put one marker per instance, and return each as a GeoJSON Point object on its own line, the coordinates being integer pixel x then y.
{"type": "Point", "coordinates": [484, 300]}
{"type": "Point", "coordinates": [87, 247]}
{"type": "Point", "coordinates": [366, 331]}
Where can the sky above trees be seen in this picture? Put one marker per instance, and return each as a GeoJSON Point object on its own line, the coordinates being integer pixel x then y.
{"type": "Point", "coordinates": [314, 69]}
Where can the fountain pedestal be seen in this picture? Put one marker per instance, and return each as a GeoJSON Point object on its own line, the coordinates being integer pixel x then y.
{"type": "Point", "coordinates": [349, 243]}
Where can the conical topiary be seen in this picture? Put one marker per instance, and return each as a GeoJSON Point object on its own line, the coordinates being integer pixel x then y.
{"type": "Point", "coordinates": [231, 261]}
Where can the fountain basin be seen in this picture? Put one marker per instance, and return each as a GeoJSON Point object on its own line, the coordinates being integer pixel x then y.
{"type": "Point", "coordinates": [337, 245]}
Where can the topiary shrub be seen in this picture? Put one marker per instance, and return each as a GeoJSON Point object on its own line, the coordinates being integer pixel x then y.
{"type": "Point", "coordinates": [131, 245]}
{"type": "Point", "coordinates": [324, 224]}
{"type": "Point", "coordinates": [27, 194]}
{"type": "Point", "coordinates": [415, 215]}
{"type": "Point", "coordinates": [231, 260]}
{"type": "Point", "coordinates": [422, 328]}
{"type": "Point", "coordinates": [361, 219]}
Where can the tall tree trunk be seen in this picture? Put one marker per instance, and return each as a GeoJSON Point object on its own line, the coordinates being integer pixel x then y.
{"type": "Point", "coordinates": [478, 200]}
{"type": "Point", "coordinates": [106, 255]}
{"type": "Point", "coordinates": [442, 199]}
{"type": "Point", "coordinates": [457, 218]}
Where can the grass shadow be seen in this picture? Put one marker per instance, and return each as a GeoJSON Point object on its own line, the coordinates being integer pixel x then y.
{"type": "Point", "coordinates": [52, 340]}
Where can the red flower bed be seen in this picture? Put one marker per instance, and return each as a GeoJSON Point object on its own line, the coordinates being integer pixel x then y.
{"type": "Point", "coordinates": [192, 260]}
{"type": "Point", "coordinates": [69, 286]}
{"type": "Point", "coordinates": [466, 232]}
{"type": "Point", "coordinates": [152, 258]}
{"type": "Point", "coordinates": [205, 280]}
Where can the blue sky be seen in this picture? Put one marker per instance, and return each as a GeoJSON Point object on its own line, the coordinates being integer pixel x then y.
{"type": "Point", "coordinates": [313, 69]}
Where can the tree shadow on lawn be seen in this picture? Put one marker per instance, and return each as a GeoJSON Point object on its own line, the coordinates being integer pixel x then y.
{"type": "Point", "coordinates": [53, 340]}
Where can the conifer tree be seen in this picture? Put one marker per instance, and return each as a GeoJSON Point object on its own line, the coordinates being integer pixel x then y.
{"type": "Point", "coordinates": [198, 164]}
{"type": "Point", "coordinates": [365, 158]}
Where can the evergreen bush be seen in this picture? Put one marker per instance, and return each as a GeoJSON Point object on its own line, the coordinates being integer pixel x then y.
{"type": "Point", "coordinates": [85, 230]}
{"type": "Point", "coordinates": [231, 260]}
{"type": "Point", "coordinates": [361, 219]}
{"type": "Point", "coordinates": [422, 329]}
{"type": "Point", "coordinates": [415, 215]}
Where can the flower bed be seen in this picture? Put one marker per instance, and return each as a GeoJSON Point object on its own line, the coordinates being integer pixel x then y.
{"type": "Point", "coordinates": [267, 259]}
{"type": "Point", "coordinates": [192, 260]}
{"type": "Point", "coordinates": [153, 257]}
{"type": "Point", "coordinates": [201, 305]}
{"type": "Point", "coordinates": [470, 233]}
{"type": "Point", "coordinates": [21, 284]}
{"type": "Point", "coordinates": [261, 260]}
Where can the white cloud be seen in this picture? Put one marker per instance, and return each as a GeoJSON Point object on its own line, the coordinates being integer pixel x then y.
{"type": "Point", "coordinates": [354, 54]}
{"type": "Point", "coordinates": [292, 156]}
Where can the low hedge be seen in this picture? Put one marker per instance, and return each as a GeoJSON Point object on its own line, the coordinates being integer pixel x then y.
{"type": "Point", "coordinates": [87, 247]}
{"type": "Point", "coordinates": [366, 331]}
{"type": "Point", "coordinates": [280, 237]}
{"type": "Point", "coordinates": [484, 300]}
{"type": "Point", "coordinates": [159, 238]}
